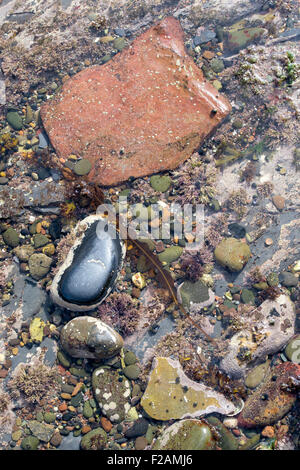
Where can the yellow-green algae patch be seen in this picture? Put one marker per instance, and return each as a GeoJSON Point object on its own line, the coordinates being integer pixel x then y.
{"type": "Point", "coordinates": [170, 394]}
{"type": "Point", "coordinates": [36, 330]}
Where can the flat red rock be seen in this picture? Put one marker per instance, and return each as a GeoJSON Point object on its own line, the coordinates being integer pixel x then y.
{"type": "Point", "coordinates": [144, 111]}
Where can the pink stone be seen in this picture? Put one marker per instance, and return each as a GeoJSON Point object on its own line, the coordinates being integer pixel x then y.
{"type": "Point", "coordinates": [144, 111]}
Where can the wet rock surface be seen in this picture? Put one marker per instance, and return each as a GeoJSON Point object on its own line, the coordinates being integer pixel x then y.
{"type": "Point", "coordinates": [181, 109]}
{"type": "Point", "coordinates": [89, 337]}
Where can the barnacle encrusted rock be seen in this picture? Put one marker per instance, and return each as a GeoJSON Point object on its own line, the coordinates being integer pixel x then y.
{"type": "Point", "coordinates": [266, 330]}
{"type": "Point", "coordinates": [144, 111]}
{"type": "Point", "coordinates": [170, 394]}
{"type": "Point", "coordinates": [232, 254]}
{"type": "Point", "coordinates": [90, 338]}
{"type": "Point", "coordinates": [188, 434]}
{"type": "Point", "coordinates": [273, 399]}
{"type": "Point", "coordinates": [91, 267]}
{"type": "Point", "coordinates": [112, 395]}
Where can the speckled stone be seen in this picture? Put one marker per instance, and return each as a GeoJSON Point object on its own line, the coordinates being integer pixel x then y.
{"type": "Point", "coordinates": [112, 395]}
{"type": "Point", "coordinates": [89, 337]}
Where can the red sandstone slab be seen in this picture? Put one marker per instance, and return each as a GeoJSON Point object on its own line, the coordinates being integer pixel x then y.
{"type": "Point", "coordinates": [144, 111]}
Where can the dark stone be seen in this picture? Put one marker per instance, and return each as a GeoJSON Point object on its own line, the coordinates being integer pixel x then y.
{"type": "Point", "coordinates": [86, 282]}
{"type": "Point", "coordinates": [120, 32]}
{"type": "Point", "coordinates": [139, 428]}
{"type": "Point", "coordinates": [43, 173]}
{"type": "Point", "coordinates": [237, 230]}
{"type": "Point", "coordinates": [288, 279]}
{"type": "Point", "coordinates": [55, 229]}
{"type": "Point", "coordinates": [205, 36]}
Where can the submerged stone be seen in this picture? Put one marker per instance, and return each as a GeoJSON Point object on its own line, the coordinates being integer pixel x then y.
{"type": "Point", "coordinates": [195, 295]}
{"type": "Point", "coordinates": [232, 254]}
{"type": "Point", "coordinates": [94, 440]}
{"type": "Point", "coordinates": [170, 394]}
{"type": "Point", "coordinates": [144, 111]}
{"type": "Point", "coordinates": [91, 268]}
{"type": "Point", "coordinates": [42, 431]}
{"type": "Point", "coordinates": [88, 337]}
{"type": "Point", "coordinates": [112, 395]}
{"type": "Point", "coordinates": [189, 434]}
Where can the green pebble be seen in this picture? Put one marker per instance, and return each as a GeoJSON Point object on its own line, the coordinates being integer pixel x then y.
{"type": "Point", "coordinates": [82, 167]}
{"type": "Point", "coordinates": [93, 403]}
{"type": "Point", "coordinates": [217, 65]}
{"type": "Point", "coordinates": [160, 183]}
{"type": "Point", "coordinates": [16, 435]}
{"type": "Point", "coordinates": [66, 388]}
{"type": "Point", "coordinates": [94, 440]}
{"type": "Point", "coordinates": [119, 44]}
{"type": "Point", "coordinates": [260, 286]}
{"type": "Point", "coordinates": [49, 417]}
{"type": "Point", "coordinates": [87, 410]}
{"type": "Point", "coordinates": [132, 372]}
{"type": "Point", "coordinates": [237, 124]}
{"type": "Point", "coordinates": [62, 358]}
{"type": "Point", "coordinates": [78, 372]}
{"type": "Point", "coordinates": [257, 375]}
{"type": "Point", "coordinates": [170, 254]}
{"type": "Point", "coordinates": [29, 115]}
{"type": "Point", "coordinates": [75, 401]}
{"type": "Point", "coordinates": [149, 434]}
{"type": "Point", "coordinates": [106, 58]}
{"type": "Point", "coordinates": [40, 240]}
{"type": "Point", "coordinates": [40, 416]}
{"type": "Point", "coordinates": [130, 358]}
{"type": "Point", "coordinates": [273, 279]}
{"type": "Point", "coordinates": [248, 296]}
{"type": "Point", "coordinates": [11, 237]}
{"type": "Point", "coordinates": [14, 120]}
{"type": "Point", "coordinates": [30, 443]}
